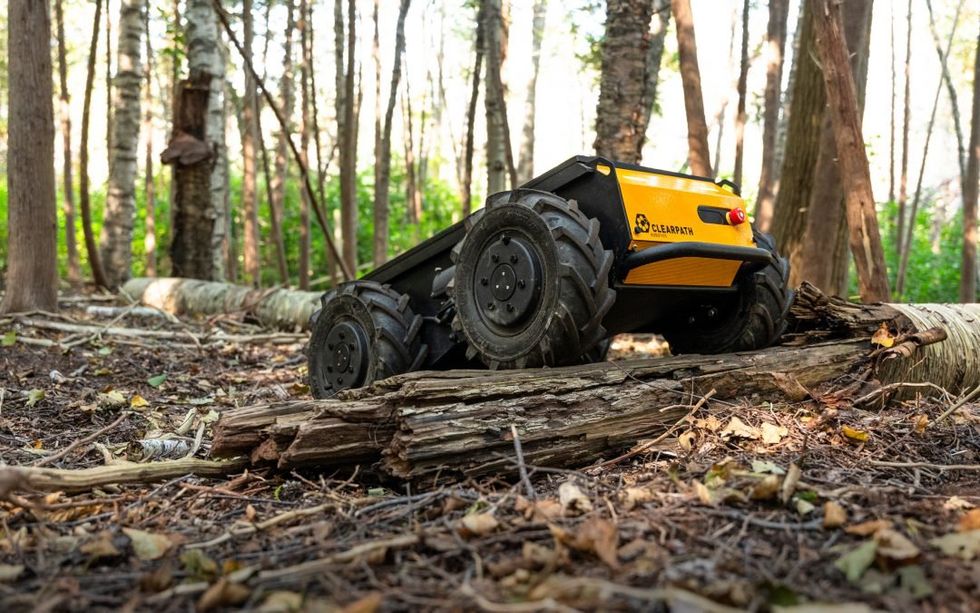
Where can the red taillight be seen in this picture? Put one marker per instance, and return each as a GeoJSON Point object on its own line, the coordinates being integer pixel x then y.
{"type": "Point", "coordinates": [736, 216]}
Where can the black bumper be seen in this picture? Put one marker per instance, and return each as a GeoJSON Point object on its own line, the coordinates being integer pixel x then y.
{"type": "Point", "coordinates": [754, 256]}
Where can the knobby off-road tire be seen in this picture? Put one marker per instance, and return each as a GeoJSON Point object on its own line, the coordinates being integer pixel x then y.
{"type": "Point", "coordinates": [754, 319]}
{"type": "Point", "coordinates": [363, 332]}
{"type": "Point", "coordinates": [532, 282]}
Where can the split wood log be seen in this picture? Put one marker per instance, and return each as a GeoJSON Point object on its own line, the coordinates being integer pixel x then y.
{"type": "Point", "coordinates": [27, 479]}
{"type": "Point", "coordinates": [425, 424]}
{"type": "Point", "coordinates": [274, 308]}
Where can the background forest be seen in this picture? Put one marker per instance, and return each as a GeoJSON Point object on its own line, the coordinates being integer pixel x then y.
{"type": "Point", "coordinates": [377, 123]}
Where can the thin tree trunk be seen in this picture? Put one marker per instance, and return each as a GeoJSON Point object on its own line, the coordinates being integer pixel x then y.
{"type": "Point", "coordinates": [500, 160]}
{"type": "Point", "coordinates": [699, 157]}
{"type": "Point", "coordinates": [525, 165]}
{"type": "Point", "coordinates": [379, 243]}
{"type": "Point", "coordinates": [68, 189]}
{"type": "Point", "coordinates": [785, 111]}
{"type": "Point", "coordinates": [466, 187]}
{"type": "Point", "coordinates": [904, 171]}
{"type": "Point", "coordinates": [743, 75]}
{"type": "Point", "coordinates": [862, 218]}
{"type": "Point", "coordinates": [907, 242]}
{"type": "Point", "coordinates": [91, 248]}
{"type": "Point", "coordinates": [383, 175]}
{"type": "Point", "coordinates": [250, 208]}
{"type": "Point", "coordinates": [950, 89]}
{"type": "Point", "coordinates": [825, 254]}
{"type": "Point", "coordinates": [968, 270]}
{"type": "Point", "coordinates": [32, 214]}
{"type": "Point", "coordinates": [150, 234]}
{"type": "Point", "coordinates": [281, 175]}
{"type": "Point", "coordinates": [116, 240]}
{"type": "Point", "coordinates": [891, 141]}
{"type": "Point", "coordinates": [628, 51]}
{"type": "Point", "coordinates": [655, 54]}
{"type": "Point", "coordinates": [306, 200]}
{"type": "Point", "coordinates": [346, 128]}
{"type": "Point", "coordinates": [108, 83]}
{"type": "Point", "coordinates": [723, 107]}
{"type": "Point", "coordinates": [776, 46]}
{"type": "Point", "coordinates": [413, 200]}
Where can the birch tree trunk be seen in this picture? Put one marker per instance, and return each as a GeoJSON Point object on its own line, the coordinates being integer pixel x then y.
{"type": "Point", "coordinates": [206, 63]}
{"type": "Point", "coordinates": [120, 208]}
{"type": "Point", "coordinates": [968, 271]}
{"type": "Point", "coordinates": [620, 128]}
{"type": "Point", "coordinates": [906, 119]}
{"type": "Point", "coordinates": [149, 193]}
{"type": "Point", "coordinates": [525, 165]}
{"type": "Point", "coordinates": [698, 156]}
{"type": "Point", "coordinates": [862, 219]}
{"type": "Point", "coordinates": [68, 189]}
{"type": "Point", "coordinates": [32, 264]}
{"type": "Point", "coordinates": [382, 174]}
{"type": "Point", "coordinates": [775, 48]}
{"type": "Point", "coordinates": [250, 209]}
{"type": "Point", "coordinates": [500, 159]}
{"type": "Point", "coordinates": [950, 89]}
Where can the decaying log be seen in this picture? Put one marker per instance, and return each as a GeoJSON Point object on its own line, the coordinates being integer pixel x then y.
{"type": "Point", "coordinates": [424, 424]}
{"type": "Point", "coordinates": [275, 308]}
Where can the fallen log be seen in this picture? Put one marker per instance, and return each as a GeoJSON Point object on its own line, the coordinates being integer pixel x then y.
{"type": "Point", "coordinates": [424, 424]}
{"type": "Point", "coordinates": [274, 308]}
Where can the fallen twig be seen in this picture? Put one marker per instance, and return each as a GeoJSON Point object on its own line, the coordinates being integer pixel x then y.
{"type": "Point", "coordinates": [930, 465]}
{"type": "Point", "coordinates": [77, 443]}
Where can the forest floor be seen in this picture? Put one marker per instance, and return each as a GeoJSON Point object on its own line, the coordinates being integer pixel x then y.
{"type": "Point", "coordinates": [885, 514]}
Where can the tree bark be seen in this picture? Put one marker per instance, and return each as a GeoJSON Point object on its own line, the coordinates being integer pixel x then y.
{"type": "Point", "coordinates": [500, 159]}
{"type": "Point", "coordinates": [525, 164]}
{"type": "Point", "coordinates": [626, 57]}
{"type": "Point", "coordinates": [806, 113]}
{"type": "Point", "coordinates": [306, 199]}
{"type": "Point", "coordinates": [84, 206]}
{"type": "Point", "coordinates": [204, 243]}
{"type": "Point", "coordinates": [382, 174]}
{"type": "Point", "coordinates": [32, 218]}
{"type": "Point", "coordinates": [968, 271]}
{"type": "Point", "coordinates": [824, 253]}
{"type": "Point", "coordinates": [906, 119]}
{"type": "Point", "coordinates": [775, 48]}
{"type": "Point", "coordinates": [346, 128]}
{"type": "Point", "coordinates": [281, 165]}
{"type": "Point", "coordinates": [413, 197]}
{"type": "Point", "coordinates": [743, 75]}
{"type": "Point", "coordinates": [862, 220]}
{"type": "Point", "coordinates": [459, 422]}
{"type": "Point", "coordinates": [149, 191]}
{"type": "Point", "coordinates": [891, 140]}
{"type": "Point", "coordinates": [116, 240]}
{"type": "Point", "coordinates": [379, 242]}
{"type": "Point", "coordinates": [250, 208]}
{"type": "Point", "coordinates": [466, 183]}
{"type": "Point", "coordinates": [278, 308]}
{"type": "Point", "coordinates": [68, 189]}
{"type": "Point", "coordinates": [698, 156]}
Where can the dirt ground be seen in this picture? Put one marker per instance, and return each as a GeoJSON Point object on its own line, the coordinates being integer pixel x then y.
{"type": "Point", "coordinates": [753, 505]}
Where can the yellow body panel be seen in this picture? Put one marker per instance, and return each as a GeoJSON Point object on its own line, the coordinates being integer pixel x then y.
{"type": "Point", "coordinates": [663, 208]}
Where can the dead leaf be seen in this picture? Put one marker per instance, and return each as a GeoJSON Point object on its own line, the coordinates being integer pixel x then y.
{"type": "Point", "coordinates": [710, 422]}
{"type": "Point", "coordinates": [737, 428]}
{"type": "Point", "coordinates": [965, 545]}
{"type": "Point", "coordinates": [883, 336]}
{"type": "Point", "coordinates": [856, 561]}
{"type": "Point", "coordinates": [222, 594]}
{"type": "Point", "coordinates": [803, 507]}
{"type": "Point", "coordinates": [921, 423]}
{"type": "Point", "coordinates": [111, 399]}
{"type": "Point", "coordinates": [10, 572]}
{"type": "Point", "coordinates": [138, 402]}
{"type": "Point", "coordinates": [766, 488]}
{"type": "Point", "coordinates": [368, 604]}
{"type": "Point", "coordinates": [854, 434]}
{"type": "Point", "coordinates": [147, 545]}
{"type": "Point", "coordinates": [572, 500]}
{"type": "Point", "coordinates": [912, 579]}
{"type": "Point", "coordinates": [765, 466]}
{"type": "Point", "coordinates": [955, 503]}
{"type": "Point", "coordinates": [687, 439]}
{"type": "Point", "coordinates": [34, 396]}
{"type": "Point", "coordinates": [198, 565]}
{"type": "Point", "coordinates": [894, 545]}
{"type": "Point", "coordinates": [281, 601]}
{"type": "Point", "coordinates": [772, 433]}
{"type": "Point", "coordinates": [789, 483]}
{"type": "Point", "coordinates": [598, 536]}
{"type": "Point", "coordinates": [867, 528]}
{"type": "Point", "coordinates": [834, 515]}
{"type": "Point", "coordinates": [703, 493]}
{"type": "Point", "coordinates": [970, 521]}
{"type": "Point", "coordinates": [637, 495]}
{"type": "Point", "coordinates": [100, 547]}
{"type": "Point", "coordinates": [478, 524]}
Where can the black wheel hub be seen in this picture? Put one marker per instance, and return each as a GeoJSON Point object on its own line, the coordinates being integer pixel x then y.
{"type": "Point", "coordinates": [507, 275]}
{"type": "Point", "coordinates": [347, 355]}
